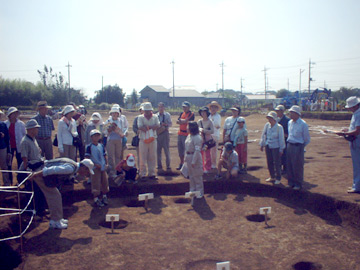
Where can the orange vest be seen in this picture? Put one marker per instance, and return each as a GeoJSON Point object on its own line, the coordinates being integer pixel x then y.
{"type": "Point", "coordinates": [183, 127]}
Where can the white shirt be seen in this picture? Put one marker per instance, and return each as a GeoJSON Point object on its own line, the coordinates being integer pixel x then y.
{"type": "Point", "coordinates": [216, 119]}
{"type": "Point", "coordinates": [20, 132]}
{"type": "Point", "coordinates": [273, 136]}
{"type": "Point", "coordinates": [298, 132]}
{"type": "Point", "coordinates": [66, 133]}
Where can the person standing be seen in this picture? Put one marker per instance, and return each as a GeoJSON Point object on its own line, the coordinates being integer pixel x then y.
{"type": "Point", "coordinates": [240, 144]}
{"type": "Point", "coordinates": [193, 159]}
{"type": "Point", "coordinates": [206, 128]}
{"type": "Point", "coordinates": [46, 127]}
{"type": "Point", "coordinates": [5, 154]}
{"type": "Point", "coordinates": [230, 125]}
{"type": "Point", "coordinates": [283, 120]}
{"type": "Point", "coordinates": [147, 126]}
{"type": "Point", "coordinates": [353, 135]}
{"type": "Point", "coordinates": [216, 119]}
{"type": "Point", "coordinates": [183, 121]}
{"type": "Point", "coordinates": [136, 131]}
{"type": "Point", "coordinates": [54, 173]}
{"type": "Point", "coordinates": [66, 133]}
{"type": "Point", "coordinates": [17, 131]}
{"type": "Point", "coordinates": [299, 137]}
{"type": "Point", "coordinates": [163, 136]}
{"type": "Point", "coordinates": [80, 128]}
{"type": "Point", "coordinates": [272, 139]}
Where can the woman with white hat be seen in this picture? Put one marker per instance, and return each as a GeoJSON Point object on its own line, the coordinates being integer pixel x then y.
{"type": "Point", "coordinates": [272, 139]}
{"type": "Point", "coordinates": [66, 133]}
{"type": "Point", "coordinates": [95, 122]}
{"type": "Point", "coordinates": [114, 132]}
{"type": "Point", "coordinates": [17, 131]}
{"type": "Point", "coordinates": [352, 134]}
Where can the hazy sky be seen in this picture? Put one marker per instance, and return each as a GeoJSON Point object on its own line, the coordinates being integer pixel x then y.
{"type": "Point", "coordinates": [132, 43]}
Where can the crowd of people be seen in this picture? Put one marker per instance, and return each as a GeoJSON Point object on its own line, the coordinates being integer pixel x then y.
{"type": "Point", "coordinates": [99, 146]}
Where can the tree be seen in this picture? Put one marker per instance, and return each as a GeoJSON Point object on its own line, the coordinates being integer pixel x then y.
{"type": "Point", "coordinates": [345, 93]}
{"type": "Point", "coordinates": [110, 94]}
{"type": "Point", "coordinates": [282, 93]}
{"type": "Point", "coordinates": [134, 97]}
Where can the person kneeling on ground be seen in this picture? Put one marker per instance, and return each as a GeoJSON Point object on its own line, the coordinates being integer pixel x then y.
{"type": "Point", "coordinates": [126, 170]}
{"type": "Point", "coordinates": [99, 181]}
{"type": "Point", "coordinates": [229, 160]}
{"type": "Point", "coordinates": [54, 173]}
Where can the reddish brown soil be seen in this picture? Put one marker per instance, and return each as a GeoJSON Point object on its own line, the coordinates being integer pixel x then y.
{"type": "Point", "coordinates": [317, 228]}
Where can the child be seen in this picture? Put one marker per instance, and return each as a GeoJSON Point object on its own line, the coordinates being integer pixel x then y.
{"type": "Point", "coordinates": [240, 144]}
{"type": "Point", "coordinates": [99, 182]}
{"type": "Point", "coordinates": [126, 170]}
{"type": "Point", "coordinates": [229, 160]}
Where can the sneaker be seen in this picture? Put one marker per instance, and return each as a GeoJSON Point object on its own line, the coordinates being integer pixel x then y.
{"type": "Point", "coordinates": [289, 186]}
{"type": "Point", "coordinates": [99, 203]}
{"type": "Point", "coordinates": [352, 190]}
{"type": "Point", "coordinates": [270, 179]}
{"type": "Point", "coordinates": [168, 169]}
{"type": "Point", "coordinates": [88, 181]}
{"type": "Point", "coordinates": [296, 188]}
{"type": "Point", "coordinates": [65, 221]}
{"type": "Point", "coordinates": [179, 168]}
{"type": "Point", "coordinates": [206, 171]}
{"type": "Point", "coordinates": [105, 200]}
{"type": "Point", "coordinates": [153, 177]}
{"type": "Point", "coordinates": [57, 225]}
{"type": "Point", "coordinates": [218, 177]}
{"type": "Point", "coordinates": [277, 182]}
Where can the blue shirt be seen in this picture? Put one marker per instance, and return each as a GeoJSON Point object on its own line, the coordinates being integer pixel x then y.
{"type": "Point", "coordinates": [60, 169]}
{"type": "Point", "coordinates": [97, 154]}
{"type": "Point", "coordinates": [355, 122]}
{"type": "Point", "coordinates": [298, 132]}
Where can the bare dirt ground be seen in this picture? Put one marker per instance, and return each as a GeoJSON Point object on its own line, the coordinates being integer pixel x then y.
{"type": "Point", "coordinates": [316, 228]}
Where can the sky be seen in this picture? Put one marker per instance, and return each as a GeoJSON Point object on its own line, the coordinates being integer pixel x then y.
{"type": "Point", "coordinates": [132, 43]}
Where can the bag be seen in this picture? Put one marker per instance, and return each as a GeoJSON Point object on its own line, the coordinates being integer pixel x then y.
{"type": "Point", "coordinates": [210, 143]}
{"type": "Point", "coordinates": [149, 136]}
{"type": "Point", "coordinates": [160, 130]}
{"type": "Point", "coordinates": [55, 142]}
{"type": "Point", "coordinates": [135, 141]}
{"type": "Point", "coordinates": [77, 142]}
{"type": "Point", "coordinates": [350, 138]}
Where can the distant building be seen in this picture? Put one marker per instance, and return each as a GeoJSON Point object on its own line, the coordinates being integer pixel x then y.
{"type": "Point", "coordinates": [257, 99]}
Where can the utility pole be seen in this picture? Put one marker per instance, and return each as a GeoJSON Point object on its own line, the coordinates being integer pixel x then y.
{"type": "Point", "coordinates": [301, 71]}
{"type": "Point", "coordinates": [288, 85]}
{"type": "Point", "coordinates": [310, 79]}
{"type": "Point", "coordinates": [241, 90]}
{"type": "Point", "coordinates": [265, 77]}
{"type": "Point", "coordinates": [222, 83]}
{"type": "Point", "coordinates": [173, 73]}
{"type": "Point", "coordinates": [69, 66]}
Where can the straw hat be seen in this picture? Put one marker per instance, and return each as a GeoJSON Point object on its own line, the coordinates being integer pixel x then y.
{"type": "Point", "coordinates": [214, 103]}
{"type": "Point", "coordinates": [295, 109]}
{"type": "Point", "coordinates": [351, 102]}
{"type": "Point", "coordinates": [43, 104]}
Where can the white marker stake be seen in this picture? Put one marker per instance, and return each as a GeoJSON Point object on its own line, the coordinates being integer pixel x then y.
{"type": "Point", "coordinates": [112, 218]}
{"type": "Point", "coordinates": [146, 197]}
{"type": "Point", "coordinates": [265, 210]}
{"type": "Point", "coordinates": [191, 195]}
{"type": "Point", "coordinates": [223, 266]}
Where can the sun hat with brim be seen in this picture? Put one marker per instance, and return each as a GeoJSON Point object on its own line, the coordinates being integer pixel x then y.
{"type": "Point", "coordinates": [130, 160]}
{"type": "Point", "coordinates": [186, 104]}
{"type": "Point", "coordinates": [114, 110]}
{"type": "Point", "coordinates": [234, 109]}
{"type": "Point", "coordinates": [214, 103]}
{"type": "Point", "coordinates": [295, 109]}
{"type": "Point", "coordinates": [351, 102]}
{"type": "Point", "coordinates": [272, 115]}
{"type": "Point", "coordinates": [43, 104]}
{"type": "Point", "coordinates": [94, 117]}
{"type": "Point", "coordinates": [147, 106]}
{"type": "Point", "coordinates": [89, 164]}
{"type": "Point", "coordinates": [32, 123]}
{"type": "Point", "coordinates": [94, 131]}
{"type": "Point", "coordinates": [280, 108]}
{"type": "Point", "coordinates": [241, 120]}
{"type": "Point", "coordinates": [11, 110]}
{"type": "Point", "coordinates": [68, 109]}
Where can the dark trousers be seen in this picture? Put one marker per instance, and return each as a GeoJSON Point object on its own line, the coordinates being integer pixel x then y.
{"type": "Point", "coordinates": [283, 158]}
{"type": "Point", "coordinates": [273, 162]}
{"type": "Point", "coordinates": [295, 164]}
{"type": "Point", "coordinates": [18, 160]}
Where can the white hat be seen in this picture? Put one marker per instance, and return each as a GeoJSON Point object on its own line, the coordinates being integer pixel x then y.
{"type": "Point", "coordinates": [94, 116]}
{"type": "Point", "coordinates": [68, 109]}
{"type": "Point", "coordinates": [147, 106]}
{"type": "Point", "coordinates": [295, 109]}
{"type": "Point", "coordinates": [141, 106]}
{"type": "Point", "coordinates": [130, 160]}
{"type": "Point", "coordinates": [115, 109]}
{"type": "Point", "coordinates": [89, 164]}
{"type": "Point", "coordinates": [280, 108]}
{"type": "Point", "coordinates": [94, 131]}
{"type": "Point", "coordinates": [11, 110]}
{"type": "Point", "coordinates": [81, 106]}
{"type": "Point", "coordinates": [273, 115]}
{"type": "Point", "coordinates": [241, 120]}
{"type": "Point", "coordinates": [351, 102]}
{"type": "Point", "coordinates": [32, 123]}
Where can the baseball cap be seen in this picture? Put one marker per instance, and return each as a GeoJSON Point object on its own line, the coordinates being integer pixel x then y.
{"type": "Point", "coordinates": [130, 160]}
{"type": "Point", "coordinates": [89, 164]}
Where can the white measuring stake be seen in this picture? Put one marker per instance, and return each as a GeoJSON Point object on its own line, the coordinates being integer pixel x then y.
{"type": "Point", "coordinates": [266, 211]}
{"type": "Point", "coordinates": [192, 194]}
{"type": "Point", "coordinates": [111, 218]}
{"type": "Point", "coordinates": [146, 197]}
{"type": "Point", "coordinates": [223, 266]}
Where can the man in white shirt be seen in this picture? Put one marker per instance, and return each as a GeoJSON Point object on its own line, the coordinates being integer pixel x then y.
{"type": "Point", "coordinates": [298, 138]}
{"type": "Point", "coordinates": [216, 119]}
